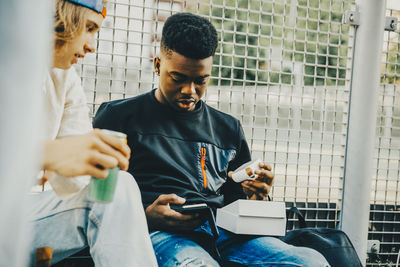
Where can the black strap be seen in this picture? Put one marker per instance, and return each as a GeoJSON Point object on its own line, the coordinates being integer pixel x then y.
{"type": "Point", "coordinates": [215, 234]}
{"type": "Point", "coordinates": [295, 210]}
{"type": "Point", "coordinates": [213, 225]}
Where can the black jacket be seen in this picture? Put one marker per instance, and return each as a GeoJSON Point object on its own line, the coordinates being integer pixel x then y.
{"type": "Point", "coordinates": [186, 153]}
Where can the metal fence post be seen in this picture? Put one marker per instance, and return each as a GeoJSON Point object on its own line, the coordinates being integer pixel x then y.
{"type": "Point", "coordinates": [362, 123]}
{"type": "Point", "coordinates": [25, 50]}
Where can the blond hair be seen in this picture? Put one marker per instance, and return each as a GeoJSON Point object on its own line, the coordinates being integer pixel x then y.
{"type": "Point", "coordinates": [69, 21]}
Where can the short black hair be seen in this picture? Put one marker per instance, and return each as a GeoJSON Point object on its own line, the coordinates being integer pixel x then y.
{"type": "Point", "coordinates": [189, 35]}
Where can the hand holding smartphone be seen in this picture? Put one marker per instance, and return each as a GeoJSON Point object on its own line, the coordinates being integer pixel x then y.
{"type": "Point", "coordinates": [202, 208]}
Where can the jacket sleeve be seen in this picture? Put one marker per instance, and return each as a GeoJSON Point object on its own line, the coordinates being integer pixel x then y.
{"type": "Point", "coordinates": [233, 191]}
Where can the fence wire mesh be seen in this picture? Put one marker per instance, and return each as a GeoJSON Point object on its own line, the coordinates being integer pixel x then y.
{"type": "Point", "coordinates": [282, 68]}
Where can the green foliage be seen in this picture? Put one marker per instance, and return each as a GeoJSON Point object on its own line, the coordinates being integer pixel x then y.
{"type": "Point", "coordinates": [252, 32]}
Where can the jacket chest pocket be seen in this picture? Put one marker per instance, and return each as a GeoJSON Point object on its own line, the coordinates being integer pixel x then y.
{"type": "Point", "coordinates": [213, 165]}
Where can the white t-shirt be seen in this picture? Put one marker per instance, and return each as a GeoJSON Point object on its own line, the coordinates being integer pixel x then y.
{"type": "Point", "coordinates": [66, 114]}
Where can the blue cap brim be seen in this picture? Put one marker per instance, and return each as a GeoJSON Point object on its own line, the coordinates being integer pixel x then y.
{"type": "Point", "coordinates": [96, 5]}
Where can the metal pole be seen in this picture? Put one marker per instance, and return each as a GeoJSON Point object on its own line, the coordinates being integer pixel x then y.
{"type": "Point", "coordinates": [25, 49]}
{"type": "Point", "coordinates": [362, 123]}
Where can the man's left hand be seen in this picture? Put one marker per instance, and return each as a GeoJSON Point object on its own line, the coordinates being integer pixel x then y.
{"type": "Point", "coordinates": [259, 188]}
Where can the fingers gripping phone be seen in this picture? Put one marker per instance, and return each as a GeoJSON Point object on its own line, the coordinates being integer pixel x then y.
{"type": "Point", "coordinates": [202, 208]}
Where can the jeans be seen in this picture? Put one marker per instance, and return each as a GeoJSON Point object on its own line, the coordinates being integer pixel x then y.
{"type": "Point", "coordinates": [116, 232]}
{"type": "Point", "coordinates": [236, 250]}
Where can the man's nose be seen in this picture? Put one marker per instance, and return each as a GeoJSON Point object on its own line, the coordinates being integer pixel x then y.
{"type": "Point", "coordinates": [188, 89]}
{"type": "Point", "coordinates": [90, 45]}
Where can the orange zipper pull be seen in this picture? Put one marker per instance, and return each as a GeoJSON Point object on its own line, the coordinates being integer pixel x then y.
{"type": "Point", "coordinates": [203, 166]}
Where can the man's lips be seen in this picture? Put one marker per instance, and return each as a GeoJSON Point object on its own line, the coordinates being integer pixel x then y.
{"type": "Point", "coordinates": [76, 56]}
{"type": "Point", "coordinates": [191, 100]}
{"type": "Point", "coordinates": [185, 103]}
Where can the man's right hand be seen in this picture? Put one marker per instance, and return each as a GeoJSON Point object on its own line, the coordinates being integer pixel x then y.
{"type": "Point", "coordinates": [161, 217]}
{"type": "Point", "coordinates": [89, 154]}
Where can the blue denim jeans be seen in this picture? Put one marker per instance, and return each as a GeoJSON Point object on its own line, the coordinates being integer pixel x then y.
{"type": "Point", "coordinates": [236, 250]}
{"type": "Point", "coordinates": [116, 232]}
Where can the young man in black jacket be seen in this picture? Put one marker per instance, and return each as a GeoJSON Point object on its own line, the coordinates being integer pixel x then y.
{"type": "Point", "coordinates": [183, 151]}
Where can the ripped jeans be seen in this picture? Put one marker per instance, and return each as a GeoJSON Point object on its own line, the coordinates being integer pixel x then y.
{"type": "Point", "coordinates": [236, 250]}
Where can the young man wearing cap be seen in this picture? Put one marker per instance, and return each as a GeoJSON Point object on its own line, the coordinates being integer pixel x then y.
{"type": "Point", "coordinates": [185, 151]}
{"type": "Point", "coordinates": [116, 232]}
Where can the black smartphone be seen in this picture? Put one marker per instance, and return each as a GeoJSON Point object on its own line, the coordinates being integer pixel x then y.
{"type": "Point", "coordinates": [191, 208]}
{"type": "Point", "coordinates": [198, 208]}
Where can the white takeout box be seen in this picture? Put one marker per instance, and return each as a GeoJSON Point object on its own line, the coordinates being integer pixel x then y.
{"type": "Point", "coordinates": [253, 217]}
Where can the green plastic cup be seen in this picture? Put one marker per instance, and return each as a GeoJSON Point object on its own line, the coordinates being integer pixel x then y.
{"type": "Point", "coordinates": [102, 190]}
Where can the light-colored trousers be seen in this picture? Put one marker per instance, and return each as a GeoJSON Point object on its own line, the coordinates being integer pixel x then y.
{"type": "Point", "coordinates": [116, 233]}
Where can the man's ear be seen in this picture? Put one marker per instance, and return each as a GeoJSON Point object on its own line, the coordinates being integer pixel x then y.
{"type": "Point", "coordinates": [157, 62]}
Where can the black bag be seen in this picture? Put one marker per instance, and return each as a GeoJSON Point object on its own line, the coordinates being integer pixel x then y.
{"type": "Point", "coordinates": [333, 244]}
